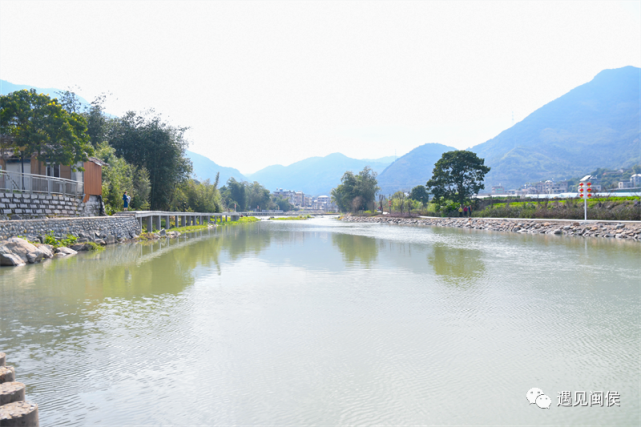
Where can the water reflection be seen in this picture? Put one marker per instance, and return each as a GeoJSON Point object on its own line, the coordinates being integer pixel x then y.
{"type": "Point", "coordinates": [361, 249]}
{"type": "Point", "coordinates": [455, 265]}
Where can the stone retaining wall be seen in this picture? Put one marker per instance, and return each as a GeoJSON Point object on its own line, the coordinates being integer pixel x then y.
{"type": "Point", "coordinates": [623, 230]}
{"type": "Point", "coordinates": [107, 228]}
{"type": "Point", "coordinates": [22, 206]}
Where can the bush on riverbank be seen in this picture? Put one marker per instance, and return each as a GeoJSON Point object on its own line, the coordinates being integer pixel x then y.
{"type": "Point", "coordinates": [615, 209]}
{"type": "Point", "coordinates": [291, 218]}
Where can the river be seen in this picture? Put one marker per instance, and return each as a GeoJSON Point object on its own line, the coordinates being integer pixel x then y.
{"type": "Point", "coordinates": [322, 322]}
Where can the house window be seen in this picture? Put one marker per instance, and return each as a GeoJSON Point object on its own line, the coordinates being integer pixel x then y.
{"type": "Point", "coordinates": [53, 170]}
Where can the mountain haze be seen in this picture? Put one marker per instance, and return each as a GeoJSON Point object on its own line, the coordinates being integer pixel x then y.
{"type": "Point", "coordinates": [594, 125]}
{"type": "Point", "coordinates": [8, 87]}
{"type": "Point", "coordinates": [314, 175]}
{"type": "Point", "coordinates": [204, 168]}
{"type": "Point", "coordinates": [414, 168]}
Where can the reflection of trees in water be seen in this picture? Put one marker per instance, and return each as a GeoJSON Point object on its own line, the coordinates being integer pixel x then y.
{"type": "Point", "coordinates": [356, 248]}
{"type": "Point", "coordinates": [242, 239]}
{"type": "Point", "coordinates": [458, 266]}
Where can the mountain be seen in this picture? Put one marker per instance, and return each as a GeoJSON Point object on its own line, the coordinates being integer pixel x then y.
{"type": "Point", "coordinates": [8, 87]}
{"type": "Point", "coordinates": [414, 168]}
{"type": "Point", "coordinates": [594, 125]}
{"type": "Point", "coordinates": [314, 175]}
{"type": "Point", "coordinates": [204, 168]}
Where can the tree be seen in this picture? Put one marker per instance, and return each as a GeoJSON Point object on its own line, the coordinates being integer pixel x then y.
{"type": "Point", "coordinates": [121, 176]}
{"type": "Point", "coordinates": [345, 192]}
{"type": "Point", "coordinates": [356, 192]}
{"type": "Point", "coordinates": [97, 121]}
{"type": "Point", "coordinates": [457, 176]}
{"type": "Point", "coordinates": [194, 196]}
{"type": "Point", "coordinates": [151, 143]}
{"type": "Point", "coordinates": [366, 188]}
{"type": "Point", "coordinates": [236, 194]}
{"type": "Point", "coordinates": [283, 204]}
{"type": "Point", "coordinates": [420, 194]}
{"type": "Point", "coordinates": [398, 201]}
{"type": "Point", "coordinates": [38, 125]}
{"type": "Point", "coordinates": [257, 195]}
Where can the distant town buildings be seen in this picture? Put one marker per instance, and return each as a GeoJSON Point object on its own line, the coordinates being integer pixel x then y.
{"type": "Point", "coordinates": [635, 182]}
{"type": "Point", "coordinates": [541, 187]}
{"type": "Point", "coordinates": [301, 201]}
{"type": "Point", "coordinates": [498, 189]}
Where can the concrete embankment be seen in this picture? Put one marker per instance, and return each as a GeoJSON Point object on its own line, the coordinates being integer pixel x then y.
{"type": "Point", "coordinates": [108, 228]}
{"type": "Point", "coordinates": [623, 230]}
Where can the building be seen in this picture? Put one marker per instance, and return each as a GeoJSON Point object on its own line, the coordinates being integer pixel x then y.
{"type": "Point", "coordinates": [635, 180]}
{"type": "Point", "coordinates": [89, 181]}
{"type": "Point", "coordinates": [53, 190]}
{"type": "Point", "coordinates": [498, 189]}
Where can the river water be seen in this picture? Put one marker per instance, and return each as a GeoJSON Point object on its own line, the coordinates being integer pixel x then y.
{"type": "Point", "coordinates": [321, 322]}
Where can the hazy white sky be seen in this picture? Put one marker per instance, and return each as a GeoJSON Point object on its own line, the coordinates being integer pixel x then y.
{"type": "Point", "coordinates": [263, 83]}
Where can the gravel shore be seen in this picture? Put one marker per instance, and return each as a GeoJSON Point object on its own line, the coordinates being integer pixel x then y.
{"type": "Point", "coordinates": [622, 230]}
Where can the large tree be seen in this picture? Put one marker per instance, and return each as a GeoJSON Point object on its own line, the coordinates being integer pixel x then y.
{"type": "Point", "coordinates": [420, 194]}
{"type": "Point", "coordinates": [257, 196]}
{"type": "Point", "coordinates": [38, 125]}
{"type": "Point", "coordinates": [235, 194]}
{"type": "Point", "coordinates": [457, 176]}
{"type": "Point", "coordinates": [149, 142]}
{"type": "Point", "coordinates": [356, 192]}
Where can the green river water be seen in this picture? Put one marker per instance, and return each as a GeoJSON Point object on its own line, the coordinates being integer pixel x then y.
{"type": "Point", "coordinates": [322, 322]}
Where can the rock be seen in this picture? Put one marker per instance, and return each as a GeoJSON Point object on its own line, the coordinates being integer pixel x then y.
{"type": "Point", "coordinates": [47, 249]}
{"type": "Point", "coordinates": [10, 260]}
{"type": "Point", "coordinates": [162, 232]}
{"type": "Point", "coordinates": [557, 231]}
{"type": "Point", "coordinates": [567, 227]}
{"type": "Point", "coordinates": [22, 249]}
{"type": "Point", "coordinates": [64, 251]}
{"type": "Point", "coordinates": [80, 247]}
{"type": "Point", "coordinates": [620, 226]}
{"type": "Point", "coordinates": [100, 242]}
{"type": "Point", "coordinates": [110, 240]}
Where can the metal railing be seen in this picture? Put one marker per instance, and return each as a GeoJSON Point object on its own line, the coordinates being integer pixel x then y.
{"type": "Point", "coordinates": [16, 182]}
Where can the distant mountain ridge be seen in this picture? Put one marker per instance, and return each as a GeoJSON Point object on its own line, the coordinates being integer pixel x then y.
{"type": "Point", "coordinates": [7, 87]}
{"type": "Point", "coordinates": [594, 125]}
{"type": "Point", "coordinates": [412, 169]}
{"type": "Point", "coordinates": [314, 175]}
{"type": "Point", "coordinates": [205, 168]}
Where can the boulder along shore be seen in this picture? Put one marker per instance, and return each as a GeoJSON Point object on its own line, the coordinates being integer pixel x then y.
{"type": "Point", "coordinates": [622, 230]}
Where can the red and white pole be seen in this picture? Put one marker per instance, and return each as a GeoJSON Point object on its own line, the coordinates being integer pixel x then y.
{"type": "Point", "coordinates": [585, 192]}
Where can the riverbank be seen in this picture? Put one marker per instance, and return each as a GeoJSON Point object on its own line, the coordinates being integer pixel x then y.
{"type": "Point", "coordinates": [623, 230]}
{"type": "Point", "coordinates": [20, 250]}
{"type": "Point", "coordinates": [291, 218]}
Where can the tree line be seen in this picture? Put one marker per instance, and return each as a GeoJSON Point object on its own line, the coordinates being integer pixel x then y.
{"type": "Point", "coordinates": [144, 153]}
{"type": "Point", "coordinates": [456, 177]}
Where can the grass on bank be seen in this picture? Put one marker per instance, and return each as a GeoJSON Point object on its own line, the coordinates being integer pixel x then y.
{"type": "Point", "coordinates": [292, 218]}
{"type": "Point", "coordinates": [51, 240]}
{"type": "Point", "coordinates": [610, 208]}
{"type": "Point", "coordinates": [195, 228]}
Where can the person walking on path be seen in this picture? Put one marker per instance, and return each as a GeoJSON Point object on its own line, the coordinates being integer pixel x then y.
{"type": "Point", "coordinates": [465, 211]}
{"type": "Point", "coordinates": [460, 210]}
{"type": "Point", "coordinates": [469, 210]}
{"type": "Point", "coordinates": [125, 200]}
